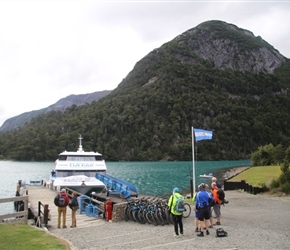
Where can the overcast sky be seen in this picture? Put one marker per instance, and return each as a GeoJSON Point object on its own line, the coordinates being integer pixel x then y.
{"type": "Point", "coordinates": [52, 49]}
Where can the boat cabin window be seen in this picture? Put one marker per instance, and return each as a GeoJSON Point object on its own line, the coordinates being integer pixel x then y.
{"type": "Point", "coordinates": [80, 157]}
{"type": "Point", "coordinates": [66, 173]}
{"type": "Point", "coordinates": [62, 157]}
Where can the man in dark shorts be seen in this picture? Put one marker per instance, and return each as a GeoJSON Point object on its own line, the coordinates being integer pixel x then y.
{"type": "Point", "coordinates": [203, 208]}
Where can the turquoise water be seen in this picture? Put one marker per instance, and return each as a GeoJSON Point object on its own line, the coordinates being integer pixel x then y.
{"type": "Point", "coordinates": [159, 178]}
{"type": "Point", "coordinates": [151, 178]}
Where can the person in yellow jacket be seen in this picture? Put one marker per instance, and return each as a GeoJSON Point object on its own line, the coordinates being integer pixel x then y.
{"type": "Point", "coordinates": [177, 217]}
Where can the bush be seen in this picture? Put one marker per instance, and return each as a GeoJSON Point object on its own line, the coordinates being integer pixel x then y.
{"type": "Point", "coordinates": [285, 177]}
{"type": "Point", "coordinates": [263, 187]}
{"type": "Point", "coordinates": [286, 188]}
{"type": "Point", "coordinates": [274, 184]}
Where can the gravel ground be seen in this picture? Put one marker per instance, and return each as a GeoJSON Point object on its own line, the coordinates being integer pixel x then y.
{"type": "Point", "coordinates": [252, 222]}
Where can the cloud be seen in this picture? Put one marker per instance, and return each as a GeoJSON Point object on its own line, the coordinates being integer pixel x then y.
{"type": "Point", "coordinates": [51, 49]}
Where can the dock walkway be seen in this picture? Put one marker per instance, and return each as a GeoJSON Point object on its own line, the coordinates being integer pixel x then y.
{"type": "Point", "coordinates": [46, 196]}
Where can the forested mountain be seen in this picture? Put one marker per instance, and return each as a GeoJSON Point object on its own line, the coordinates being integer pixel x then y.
{"type": "Point", "coordinates": [19, 120]}
{"type": "Point", "coordinates": [215, 76]}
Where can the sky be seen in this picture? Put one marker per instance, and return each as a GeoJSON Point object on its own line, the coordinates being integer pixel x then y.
{"type": "Point", "coordinates": [52, 49]}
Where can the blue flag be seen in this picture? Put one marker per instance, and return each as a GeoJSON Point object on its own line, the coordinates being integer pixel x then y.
{"type": "Point", "coordinates": [201, 134]}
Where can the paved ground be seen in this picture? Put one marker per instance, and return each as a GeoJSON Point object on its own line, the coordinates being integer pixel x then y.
{"type": "Point", "coordinates": [252, 222]}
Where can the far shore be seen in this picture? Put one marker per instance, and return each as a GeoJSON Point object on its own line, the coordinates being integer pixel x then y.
{"type": "Point", "coordinates": [234, 172]}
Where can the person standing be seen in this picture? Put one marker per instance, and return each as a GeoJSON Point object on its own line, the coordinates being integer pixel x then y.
{"type": "Point", "coordinates": [214, 179]}
{"type": "Point", "coordinates": [203, 208]}
{"type": "Point", "coordinates": [218, 202]}
{"type": "Point", "coordinates": [61, 201]}
{"type": "Point", "coordinates": [196, 211]}
{"type": "Point", "coordinates": [177, 216]}
{"type": "Point", "coordinates": [74, 206]}
{"type": "Point", "coordinates": [211, 205]}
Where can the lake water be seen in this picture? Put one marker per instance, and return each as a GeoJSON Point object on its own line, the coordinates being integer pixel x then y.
{"type": "Point", "coordinates": [151, 178]}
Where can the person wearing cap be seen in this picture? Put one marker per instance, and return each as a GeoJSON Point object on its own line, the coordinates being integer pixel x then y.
{"type": "Point", "coordinates": [177, 217]}
{"type": "Point", "coordinates": [62, 208]}
{"type": "Point", "coordinates": [202, 206]}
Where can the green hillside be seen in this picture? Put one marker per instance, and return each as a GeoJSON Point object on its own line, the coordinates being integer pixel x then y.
{"type": "Point", "coordinates": [150, 114]}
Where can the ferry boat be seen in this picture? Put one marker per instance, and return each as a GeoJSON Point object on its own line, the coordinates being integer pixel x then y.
{"type": "Point", "coordinates": [77, 171]}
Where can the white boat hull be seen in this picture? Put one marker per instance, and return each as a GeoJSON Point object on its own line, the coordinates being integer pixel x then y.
{"type": "Point", "coordinates": [80, 183]}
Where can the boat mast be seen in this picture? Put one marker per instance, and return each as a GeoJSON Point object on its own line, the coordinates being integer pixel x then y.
{"type": "Point", "coordinates": [80, 149]}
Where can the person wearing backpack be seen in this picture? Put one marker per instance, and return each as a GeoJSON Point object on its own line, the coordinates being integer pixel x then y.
{"type": "Point", "coordinates": [174, 202]}
{"type": "Point", "coordinates": [211, 204]}
{"type": "Point", "coordinates": [218, 202]}
{"type": "Point", "coordinates": [74, 206]}
{"type": "Point", "coordinates": [202, 206]}
{"type": "Point", "coordinates": [61, 201]}
{"type": "Point", "coordinates": [214, 179]}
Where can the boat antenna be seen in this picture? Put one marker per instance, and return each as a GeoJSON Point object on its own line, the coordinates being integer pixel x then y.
{"type": "Point", "coordinates": [80, 149]}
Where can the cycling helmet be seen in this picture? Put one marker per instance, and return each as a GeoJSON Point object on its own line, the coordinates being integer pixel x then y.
{"type": "Point", "coordinates": [176, 190]}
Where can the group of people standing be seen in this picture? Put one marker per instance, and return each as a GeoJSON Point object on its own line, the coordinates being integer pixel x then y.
{"type": "Point", "coordinates": [205, 201]}
{"type": "Point", "coordinates": [62, 201]}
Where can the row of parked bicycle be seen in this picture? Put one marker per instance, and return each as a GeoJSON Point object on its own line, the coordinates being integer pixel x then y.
{"type": "Point", "coordinates": [152, 211]}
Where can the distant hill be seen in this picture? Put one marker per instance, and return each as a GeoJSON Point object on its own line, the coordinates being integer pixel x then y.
{"type": "Point", "coordinates": [62, 104]}
{"type": "Point", "coordinates": [215, 76]}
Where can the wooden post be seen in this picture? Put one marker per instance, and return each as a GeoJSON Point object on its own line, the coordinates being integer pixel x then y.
{"type": "Point", "coordinates": [191, 188]}
{"type": "Point", "coordinates": [45, 214]}
{"type": "Point", "coordinates": [39, 209]}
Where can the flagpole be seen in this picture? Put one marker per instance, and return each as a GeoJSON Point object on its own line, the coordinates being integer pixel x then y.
{"type": "Point", "coordinates": [193, 164]}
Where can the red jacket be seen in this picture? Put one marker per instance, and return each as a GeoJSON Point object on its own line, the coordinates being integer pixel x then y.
{"type": "Point", "coordinates": [65, 197]}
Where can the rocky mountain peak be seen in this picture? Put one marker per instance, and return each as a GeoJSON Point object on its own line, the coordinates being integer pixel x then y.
{"type": "Point", "coordinates": [228, 46]}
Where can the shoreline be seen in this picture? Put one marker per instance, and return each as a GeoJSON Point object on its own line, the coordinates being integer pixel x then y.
{"type": "Point", "coordinates": [234, 172]}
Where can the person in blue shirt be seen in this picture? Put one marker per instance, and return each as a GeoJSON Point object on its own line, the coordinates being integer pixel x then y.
{"type": "Point", "coordinates": [202, 205]}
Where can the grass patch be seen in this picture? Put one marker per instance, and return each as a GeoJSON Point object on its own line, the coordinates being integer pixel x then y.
{"type": "Point", "coordinates": [259, 176]}
{"type": "Point", "coordinates": [189, 201]}
{"type": "Point", "coordinates": [21, 236]}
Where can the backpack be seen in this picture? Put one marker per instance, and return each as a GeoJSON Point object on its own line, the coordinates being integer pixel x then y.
{"type": "Point", "coordinates": [221, 194]}
{"type": "Point", "coordinates": [61, 201]}
{"type": "Point", "coordinates": [74, 202]}
{"type": "Point", "coordinates": [221, 233]}
{"type": "Point", "coordinates": [179, 207]}
{"type": "Point", "coordinates": [211, 201]}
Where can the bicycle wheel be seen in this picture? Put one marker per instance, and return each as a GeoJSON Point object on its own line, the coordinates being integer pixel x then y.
{"type": "Point", "coordinates": [158, 217]}
{"type": "Point", "coordinates": [187, 210]}
{"type": "Point", "coordinates": [127, 213]}
{"type": "Point", "coordinates": [151, 218]}
{"type": "Point", "coordinates": [170, 218]}
{"type": "Point", "coordinates": [141, 216]}
{"type": "Point", "coordinates": [136, 215]}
